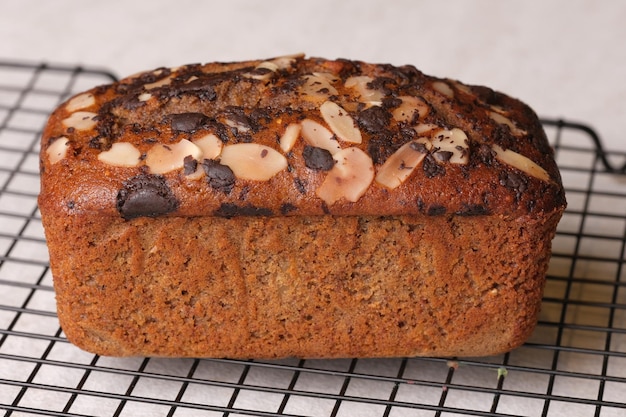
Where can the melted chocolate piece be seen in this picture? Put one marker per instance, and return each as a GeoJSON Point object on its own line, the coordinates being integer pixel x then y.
{"type": "Point", "coordinates": [431, 168]}
{"type": "Point", "coordinates": [189, 165]}
{"type": "Point", "coordinates": [145, 195]}
{"type": "Point", "coordinates": [443, 156]}
{"type": "Point", "coordinates": [373, 120]}
{"type": "Point", "coordinates": [219, 176]}
{"type": "Point", "coordinates": [187, 122]}
{"type": "Point", "coordinates": [317, 158]}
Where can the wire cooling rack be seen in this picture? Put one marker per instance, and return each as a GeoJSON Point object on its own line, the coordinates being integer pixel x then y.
{"type": "Point", "coordinates": [573, 365]}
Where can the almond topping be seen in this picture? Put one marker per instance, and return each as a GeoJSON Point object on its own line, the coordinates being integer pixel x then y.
{"type": "Point", "coordinates": [340, 122]}
{"type": "Point", "coordinates": [290, 136]}
{"type": "Point", "coordinates": [503, 120]}
{"type": "Point", "coordinates": [318, 85]}
{"type": "Point", "coordinates": [349, 178]}
{"type": "Point", "coordinates": [284, 62]}
{"type": "Point", "coordinates": [402, 163]}
{"type": "Point", "coordinates": [317, 135]}
{"type": "Point", "coordinates": [121, 154]}
{"type": "Point", "coordinates": [264, 71]}
{"type": "Point", "coordinates": [252, 161]}
{"type": "Point", "coordinates": [368, 96]}
{"type": "Point", "coordinates": [58, 149]}
{"type": "Point", "coordinates": [144, 97]}
{"type": "Point", "coordinates": [164, 81]}
{"type": "Point", "coordinates": [452, 146]}
{"type": "Point", "coordinates": [80, 120]}
{"type": "Point", "coordinates": [406, 112]}
{"type": "Point", "coordinates": [444, 89]}
{"type": "Point", "coordinates": [79, 102]}
{"type": "Point", "coordinates": [165, 158]}
{"type": "Point", "coordinates": [423, 128]}
{"type": "Point", "coordinates": [210, 145]}
{"type": "Point", "coordinates": [521, 162]}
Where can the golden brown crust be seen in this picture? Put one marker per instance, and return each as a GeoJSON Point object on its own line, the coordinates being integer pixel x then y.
{"type": "Point", "coordinates": [297, 207]}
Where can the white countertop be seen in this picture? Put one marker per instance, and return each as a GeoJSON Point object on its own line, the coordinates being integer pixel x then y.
{"type": "Point", "coordinates": [565, 58]}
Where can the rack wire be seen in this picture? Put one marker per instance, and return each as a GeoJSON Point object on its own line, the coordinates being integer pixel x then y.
{"type": "Point", "coordinates": [573, 365]}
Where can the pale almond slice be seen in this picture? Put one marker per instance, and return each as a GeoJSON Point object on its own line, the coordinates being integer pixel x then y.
{"type": "Point", "coordinates": [144, 97]}
{"type": "Point", "coordinates": [443, 88]}
{"type": "Point", "coordinates": [290, 136]}
{"type": "Point", "coordinates": [503, 120]}
{"type": "Point", "coordinates": [284, 62]}
{"type": "Point", "coordinates": [253, 161]}
{"type": "Point", "coordinates": [162, 158]}
{"type": "Point", "coordinates": [349, 178]}
{"type": "Point", "coordinates": [406, 111]}
{"type": "Point", "coordinates": [241, 127]}
{"type": "Point", "coordinates": [521, 162]}
{"type": "Point", "coordinates": [340, 122]}
{"type": "Point", "coordinates": [80, 120]}
{"type": "Point", "coordinates": [317, 135]}
{"type": "Point", "coordinates": [367, 95]}
{"type": "Point", "coordinates": [452, 146]}
{"type": "Point", "coordinates": [210, 145]}
{"type": "Point", "coordinates": [121, 154]}
{"type": "Point", "coordinates": [264, 71]}
{"type": "Point", "coordinates": [423, 128]}
{"type": "Point", "coordinates": [318, 86]}
{"type": "Point", "coordinates": [399, 166]}
{"type": "Point", "coordinates": [81, 101]}
{"type": "Point", "coordinates": [160, 83]}
{"type": "Point", "coordinates": [58, 149]}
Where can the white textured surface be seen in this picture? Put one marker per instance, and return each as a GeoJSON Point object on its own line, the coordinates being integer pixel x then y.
{"type": "Point", "coordinates": [566, 58]}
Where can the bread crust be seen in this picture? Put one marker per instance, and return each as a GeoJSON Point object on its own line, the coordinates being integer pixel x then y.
{"type": "Point", "coordinates": [420, 226]}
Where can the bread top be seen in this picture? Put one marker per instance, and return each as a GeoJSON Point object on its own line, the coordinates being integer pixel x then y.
{"type": "Point", "coordinates": [295, 136]}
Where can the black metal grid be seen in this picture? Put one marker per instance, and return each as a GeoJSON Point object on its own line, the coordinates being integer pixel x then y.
{"type": "Point", "coordinates": [573, 365]}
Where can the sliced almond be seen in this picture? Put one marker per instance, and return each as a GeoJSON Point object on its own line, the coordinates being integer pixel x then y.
{"type": "Point", "coordinates": [80, 102]}
{"type": "Point", "coordinates": [521, 162]}
{"type": "Point", "coordinates": [252, 161]}
{"type": "Point", "coordinates": [80, 120]}
{"type": "Point", "coordinates": [264, 71]}
{"type": "Point", "coordinates": [121, 154]}
{"type": "Point", "coordinates": [349, 178]}
{"type": "Point", "coordinates": [367, 95]}
{"type": "Point", "coordinates": [318, 86]}
{"type": "Point", "coordinates": [58, 149]}
{"type": "Point", "coordinates": [443, 88]}
{"type": "Point", "coordinates": [317, 135]}
{"type": "Point", "coordinates": [166, 158]}
{"type": "Point", "coordinates": [284, 62]}
{"type": "Point", "coordinates": [210, 145]}
{"type": "Point", "coordinates": [399, 166]}
{"type": "Point", "coordinates": [452, 146]}
{"type": "Point", "coordinates": [340, 122]}
{"type": "Point", "coordinates": [290, 136]}
{"type": "Point", "coordinates": [160, 83]}
{"type": "Point", "coordinates": [423, 128]}
{"type": "Point", "coordinates": [503, 120]}
{"type": "Point", "coordinates": [406, 112]}
{"type": "Point", "coordinates": [144, 97]}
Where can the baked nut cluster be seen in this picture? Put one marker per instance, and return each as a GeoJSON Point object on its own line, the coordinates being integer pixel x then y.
{"type": "Point", "coordinates": [336, 112]}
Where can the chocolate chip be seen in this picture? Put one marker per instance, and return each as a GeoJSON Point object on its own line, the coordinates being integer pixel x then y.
{"type": "Point", "coordinates": [391, 102]}
{"type": "Point", "coordinates": [187, 122]}
{"type": "Point", "coordinates": [145, 195]}
{"type": "Point", "coordinates": [432, 168]}
{"type": "Point", "coordinates": [436, 210]}
{"type": "Point", "coordinates": [219, 177]}
{"type": "Point", "coordinates": [419, 147]}
{"type": "Point", "coordinates": [231, 210]}
{"type": "Point", "coordinates": [300, 185]}
{"type": "Point", "coordinates": [473, 210]}
{"type": "Point", "coordinates": [443, 156]}
{"type": "Point", "coordinates": [374, 119]}
{"type": "Point", "coordinates": [190, 164]}
{"type": "Point", "coordinates": [317, 158]}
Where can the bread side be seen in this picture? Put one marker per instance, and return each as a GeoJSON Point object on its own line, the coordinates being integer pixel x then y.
{"type": "Point", "coordinates": [297, 207]}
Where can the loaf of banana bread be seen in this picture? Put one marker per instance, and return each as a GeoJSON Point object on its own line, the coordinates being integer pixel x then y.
{"type": "Point", "coordinates": [297, 207]}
